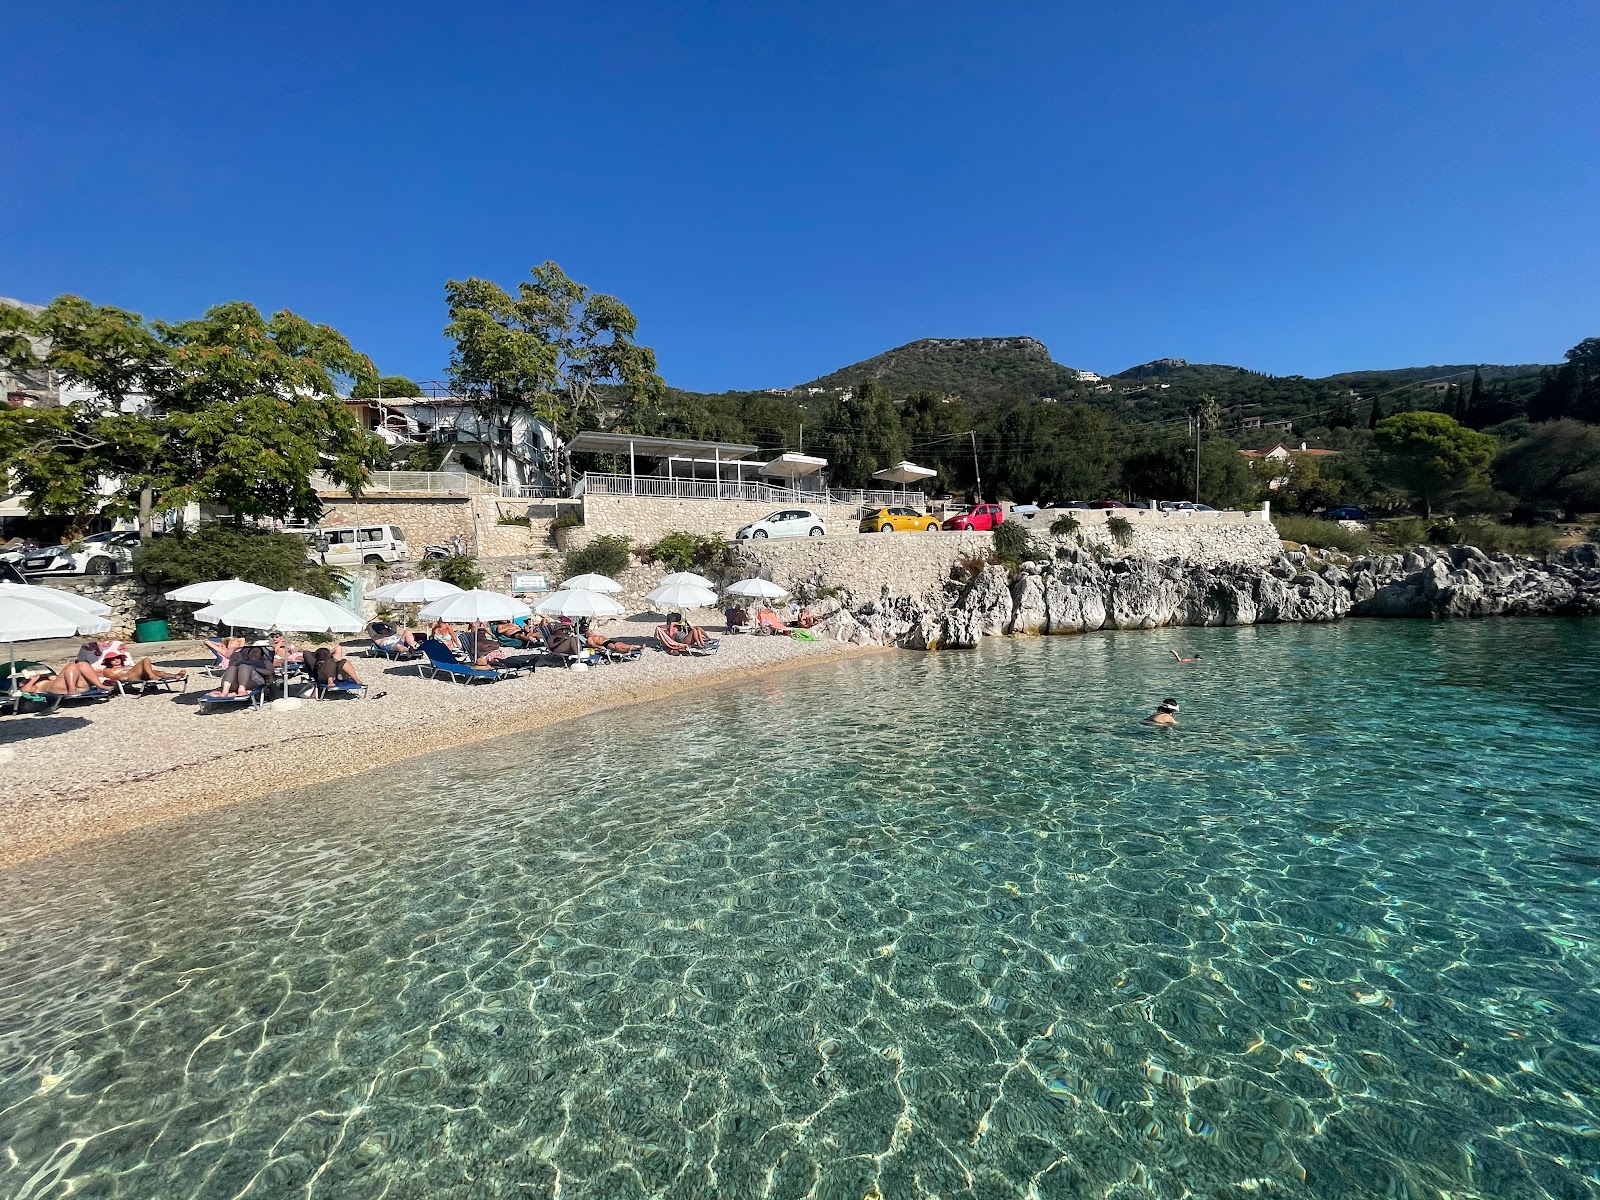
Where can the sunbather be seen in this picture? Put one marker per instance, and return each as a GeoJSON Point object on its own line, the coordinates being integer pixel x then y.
{"type": "Point", "coordinates": [736, 617]}
{"type": "Point", "coordinates": [687, 633]}
{"type": "Point", "coordinates": [223, 647]}
{"type": "Point", "coordinates": [249, 668]}
{"type": "Point", "coordinates": [510, 631]}
{"type": "Point", "coordinates": [597, 641]}
{"type": "Point", "coordinates": [388, 637]}
{"type": "Point", "coordinates": [443, 631]}
{"type": "Point", "coordinates": [72, 679]}
{"type": "Point", "coordinates": [482, 645]}
{"type": "Point", "coordinates": [328, 665]}
{"type": "Point", "coordinates": [283, 653]}
{"type": "Point", "coordinates": [563, 640]}
{"type": "Point", "coordinates": [111, 661]}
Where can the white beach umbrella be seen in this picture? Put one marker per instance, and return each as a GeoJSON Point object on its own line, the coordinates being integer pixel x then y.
{"type": "Point", "coordinates": [414, 591]}
{"type": "Point", "coordinates": [685, 577]}
{"type": "Point", "coordinates": [757, 589]}
{"type": "Point", "coordinates": [46, 595]}
{"type": "Point", "coordinates": [672, 597]}
{"type": "Point", "coordinates": [588, 583]}
{"type": "Point", "coordinates": [290, 611]}
{"type": "Point", "coordinates": [476, 605]}
{"type": "Point", "coordinates": [216, 591]}
{"type": "Point", "coordinates": [29, 621]}
{"type": "Point", "coordinates": [578, 603]}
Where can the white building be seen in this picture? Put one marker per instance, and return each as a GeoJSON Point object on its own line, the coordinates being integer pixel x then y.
{"type": "Point", "coordinates": [514, 448]}
{"type": "Point", "coordinates": [1086, 377]}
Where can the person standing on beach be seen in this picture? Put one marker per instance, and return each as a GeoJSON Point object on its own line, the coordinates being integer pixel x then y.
{"type": "Point", "coordinates": [1166, 715]}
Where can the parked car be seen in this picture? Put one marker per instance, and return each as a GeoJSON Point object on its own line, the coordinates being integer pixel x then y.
{"type": "Point", "coordinates": [1345, 512]}
{"type": "Point", "coordinates": [1175, 505]}
{"type": "Point", "coordinates": [893, 520]}
{"type": "Point", "coordinates": [787, 522]}
{"type": "Point", "coordinates": [1108, 504]}
{"type": "Point", "coordinates": [1026, 511]}
{"type": "Point", "coordinates": [356, 545]}
{"type": "Point", "coordinates": [97, 554]}
{"type": "Point", "coordinates": [1073, 504]}
{"type": "Point", "coordinates": [979, 516]}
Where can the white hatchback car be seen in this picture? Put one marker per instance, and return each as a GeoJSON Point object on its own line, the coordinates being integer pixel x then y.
{"type": "Point", "coordinates": [786, 522]}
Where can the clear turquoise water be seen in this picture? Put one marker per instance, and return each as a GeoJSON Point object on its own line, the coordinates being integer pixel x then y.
{"type": "Point", "coordinates": [940, 925]}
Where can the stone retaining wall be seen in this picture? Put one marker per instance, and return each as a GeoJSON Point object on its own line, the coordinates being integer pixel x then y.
{"type": "Point", "coordinates": [131, 601]}
{"type": "Point", "coordinates": [648, 519]}
{"type": "Point", "coordinates": [423, 519]}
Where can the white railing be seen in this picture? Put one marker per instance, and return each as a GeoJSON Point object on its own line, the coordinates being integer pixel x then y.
{"type": "Point", "coordinates": [597, 484]}
{"type": "Point", "coordinates": [418, 483]}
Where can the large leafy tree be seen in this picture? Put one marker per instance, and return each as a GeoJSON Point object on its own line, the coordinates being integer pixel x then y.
{"type": "Point", "coordinates": [864, 435]}
{"type": "Point", "coordinates": [1557, 463]}
{"type": "Point", "coordinates": [233, 409]}
{"type": "Point", "coordinates": [1165, 471]}
{"type": "Point", "coordinates": [1432, 456]}
{"type": "Point", "coordinates": [552, 349]}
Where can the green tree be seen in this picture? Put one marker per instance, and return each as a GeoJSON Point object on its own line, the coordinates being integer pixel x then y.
{"type": "Point", "coordinates": [387, 385]}
{"type": "Point", "coordinates": [864, 435]}
{"type": "Point", "coordinates": [232, 409]}
{"type": "Point", "coordinates": [1430, 456]}
{"type": "Point", "coordinates": [1165, 471]}
{"type": "Point", "coordinates": [1558, 463]}
{"type": "Point", "coordinates": [550, 350]}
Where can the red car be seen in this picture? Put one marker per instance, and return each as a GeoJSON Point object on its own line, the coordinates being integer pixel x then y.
{"type": "Point", "coordinates": [1108, 504]}
{"type": "Point", "coordinates": [979, 516]}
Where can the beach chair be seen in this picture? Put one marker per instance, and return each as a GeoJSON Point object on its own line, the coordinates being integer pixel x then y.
{"type": "Point", "coordinates": [673, 646]}
{"type": "Point", "coordinates": [442, 662]}
{"type": "Point", "coordinates": [566, 657]}
{"type": "Point", "coordinates": [52, 700]}
{"type": "Point", "coordinates": [250, 699]}
{"type": "Point", "coordinates": [143, 687]}
{"type": "Point", "coordinates": [341, 687]}
{"type": "Point", "coordinates": [398, 652]}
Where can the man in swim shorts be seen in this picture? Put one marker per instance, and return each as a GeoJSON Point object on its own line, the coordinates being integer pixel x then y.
{"type": "Point", "coordinates": [1165, 715]}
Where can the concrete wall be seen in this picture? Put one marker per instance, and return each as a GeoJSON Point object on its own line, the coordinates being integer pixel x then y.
{"type": "Point", "coordinates": [914, 564]}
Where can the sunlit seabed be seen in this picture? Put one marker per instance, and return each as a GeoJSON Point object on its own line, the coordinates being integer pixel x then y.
{"type": "Point", "coordinates": [908, 926]}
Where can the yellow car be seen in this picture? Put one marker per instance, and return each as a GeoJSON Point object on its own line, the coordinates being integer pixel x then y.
{"type": "Point", "coordinates": [890, 520]}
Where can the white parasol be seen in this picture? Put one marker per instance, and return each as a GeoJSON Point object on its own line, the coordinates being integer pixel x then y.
{"type": "Point", "coordinates": [477, 605]}
{"type": "Point", "coordinates": [757, 589]}
{"type": "Point", "coordinates": [577, 603]}
{"type": "Point", "coordinates": [216, 591]}
{"type": "Point", "coordinates": [414, 591]}
{"type": "Point", "coordinates": [26, 620]}
{"type": "Point", "coordinates": [29, 591]}
{"type": "Point", "coordinates": [673, 597]}
{"type": "Point", "coordinates": [589, 583]}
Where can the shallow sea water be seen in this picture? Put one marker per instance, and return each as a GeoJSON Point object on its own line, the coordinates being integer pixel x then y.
{"type": "Point", "coordinates": [918, 925]}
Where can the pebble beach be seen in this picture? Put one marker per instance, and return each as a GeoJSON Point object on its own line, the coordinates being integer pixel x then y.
{"type": "Point", "coordinates": [95, 770]}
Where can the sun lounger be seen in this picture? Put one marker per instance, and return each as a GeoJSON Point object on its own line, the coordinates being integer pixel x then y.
{"type": "Point", "coordinates": [569, 657]}
{"type": "Point", "coordinates": [250, 699]}
{"type": "Point", "coordinates": [341, 687]}
{"type": "Point", "coordinates": [672, 646]}
{"type": "Point", "coordinates": [442, 662]}
{"type": "Point", "coordinates": [140, 687]}
{"type": "Point", "coordinates": [54, 700]}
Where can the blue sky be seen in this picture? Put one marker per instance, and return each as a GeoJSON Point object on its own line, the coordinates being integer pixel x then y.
{"type": "Point", "coordinates": [779, 190]}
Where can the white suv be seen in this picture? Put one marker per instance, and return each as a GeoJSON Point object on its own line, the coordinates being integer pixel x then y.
{"type": "Point", "coordinates": [355, 545]}
{"type": "Point", "coordinates": [97, 554]}
{"type": "Point", "coordinates": [788, 522]}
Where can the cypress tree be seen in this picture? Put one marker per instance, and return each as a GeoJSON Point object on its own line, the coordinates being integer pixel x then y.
{"type": "Point", "coordinates": [1377, 413]}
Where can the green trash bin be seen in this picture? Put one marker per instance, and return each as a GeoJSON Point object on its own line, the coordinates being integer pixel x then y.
{"type": "Point", "coordinates": [151, 631]}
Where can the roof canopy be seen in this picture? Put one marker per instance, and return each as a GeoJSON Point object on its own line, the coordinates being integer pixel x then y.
{"type": "Point", "coordinates": [793, 466]}
{"type": "Point", "coordinates": [593, 442]}
{"type": "Point", "coordinates": [904, 472]}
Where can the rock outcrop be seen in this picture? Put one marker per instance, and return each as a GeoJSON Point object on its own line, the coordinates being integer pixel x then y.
{"type": "Point", "coordinates": [1079, 592]}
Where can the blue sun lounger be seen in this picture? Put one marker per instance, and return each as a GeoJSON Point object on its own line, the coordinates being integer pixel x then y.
{"type": "Point", "coordinates": [250, 699]}
{"type": "Point", "coordinates": [54, 700]}
{"type": "Point", "coordinates": [443, 662]}
{"type": "Point", "coordinates": [341, 687]}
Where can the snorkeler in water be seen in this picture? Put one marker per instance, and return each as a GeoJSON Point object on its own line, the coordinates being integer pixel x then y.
{"type": "Point", "coordinates": [1165, 715]}
{"type": "Point", "coordinates": [1182, 659]}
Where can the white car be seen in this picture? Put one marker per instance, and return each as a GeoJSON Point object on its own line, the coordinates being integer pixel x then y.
{"type": "Point", "coordinates": [1026, 512]}
{"type": "Point", "coordinates": [97, 554]}
{"type": "Point", "coordinates": [786, 522]}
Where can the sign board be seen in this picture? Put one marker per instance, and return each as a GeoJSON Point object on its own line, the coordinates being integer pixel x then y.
{"type": "Point", "coordinates": [529, 581]}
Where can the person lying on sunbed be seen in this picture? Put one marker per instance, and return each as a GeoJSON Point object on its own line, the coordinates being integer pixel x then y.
{"type": "Point", "coordinates": [597, 641]}
{"type": "Point", "coordinates": [283, 652]}
{"type": "Point", "coordinates": [73, 679]}
{"type": "Point", "coordinates": [389, 637]}
{"type": "Point", "coordinates": [687, 633]}
{"type": "Point", "coordinates": [111, 661]}
{"type": "Point", "coordinates": [223, 647]}
{"type": "Point", "coordinates": [736, 617]}
{"type": "Point", "coordinates": [249, 668]}
{"type": "Point", "coordinates": [563, 640]}
{"type": "Point", "coordinates": [512, 632]}
{"type": "Point", "coordinates": [327, 665]}
{"type": "Point", "coordinates": [768, 620]}
{"type": "Point", "coordinates": [482, 645]}
{"type": "Point", "coordinates": [443, 631]}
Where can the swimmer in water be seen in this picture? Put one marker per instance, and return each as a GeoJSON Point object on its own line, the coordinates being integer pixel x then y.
{"type": "Point", "coordinates": [1165, 715]}
{"type": "Point", "coordinates": [1182, 659]}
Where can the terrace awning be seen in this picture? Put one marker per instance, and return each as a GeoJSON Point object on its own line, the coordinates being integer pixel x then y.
{"type": "Point", "coordinates": [593, 442]}
{"type": "Point", "coordinates": [793, 466]}
{"type": "Point", "coordinates": [904, 473]}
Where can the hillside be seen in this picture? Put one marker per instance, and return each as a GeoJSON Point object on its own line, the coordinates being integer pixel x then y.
{"type": "Point", "coordinates": [977, 369]}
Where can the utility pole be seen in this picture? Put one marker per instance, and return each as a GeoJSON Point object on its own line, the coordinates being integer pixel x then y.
{"type": "Point", "coordinates": [976, 476]}
{"type": "Point", "coordinates": [802, 439]}
{"type": "Point", "coordinates": [1197, 458]}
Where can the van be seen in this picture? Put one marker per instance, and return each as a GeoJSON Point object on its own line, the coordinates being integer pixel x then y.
{"type": "Point", "coordinates": [357, 545]}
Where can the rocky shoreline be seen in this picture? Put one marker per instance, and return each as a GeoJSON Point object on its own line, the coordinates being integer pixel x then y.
{"type": "Point", "coordinates": [1077, 591]}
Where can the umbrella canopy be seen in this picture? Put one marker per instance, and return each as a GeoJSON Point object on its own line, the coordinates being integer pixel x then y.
{"type": "Point", "coordinates": [30, 621]}
{"type": "Point", "coordinates": [476, 605]}
{"type": "Point", "coordinates": [27, 591]}
{"type": "Point", "coordinates": [670, 597]}
{"type": "Point", "coordinates": [577, 603]}
{"type": "Point", "coordinates": [685, 577]}
{"type": "Point", "coordinates": [216, 591]}
{"type": "Point", "coordinates": [757, 589]}
{"type": "Point", "coordinates": [588, 583]}
{"type": "Point", "coordinates": [414, 591]}
{"type": "Point", "coordinates": [291, 611]}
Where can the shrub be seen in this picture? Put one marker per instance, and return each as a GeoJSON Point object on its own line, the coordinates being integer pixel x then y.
{"type": "Point", "coordinates": [514, 520]}
{"type": "Point", "coordinates": [567, 520]}
{"type": "Point", "coordinates": [682, 550]}
{"type": "Point", "coordinates": [1402, 533]}
{"type": "Point", "coordinates": [1328, 535]}
{"type": "Point", "coordinates": [606, 555]}
{"type": "Point", "coordinates": [1067, 526]}
{"type": "Point", "coordinates": [217, 551]}
{"type": "Point", "coordinates": [1120, 529]}
{"type": "Point", "coordinates": [1012, 544]}
{"type": "Point", "coordinates": [1492, 538]}
{"type": "Point", "coordinates": [459, 569]}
